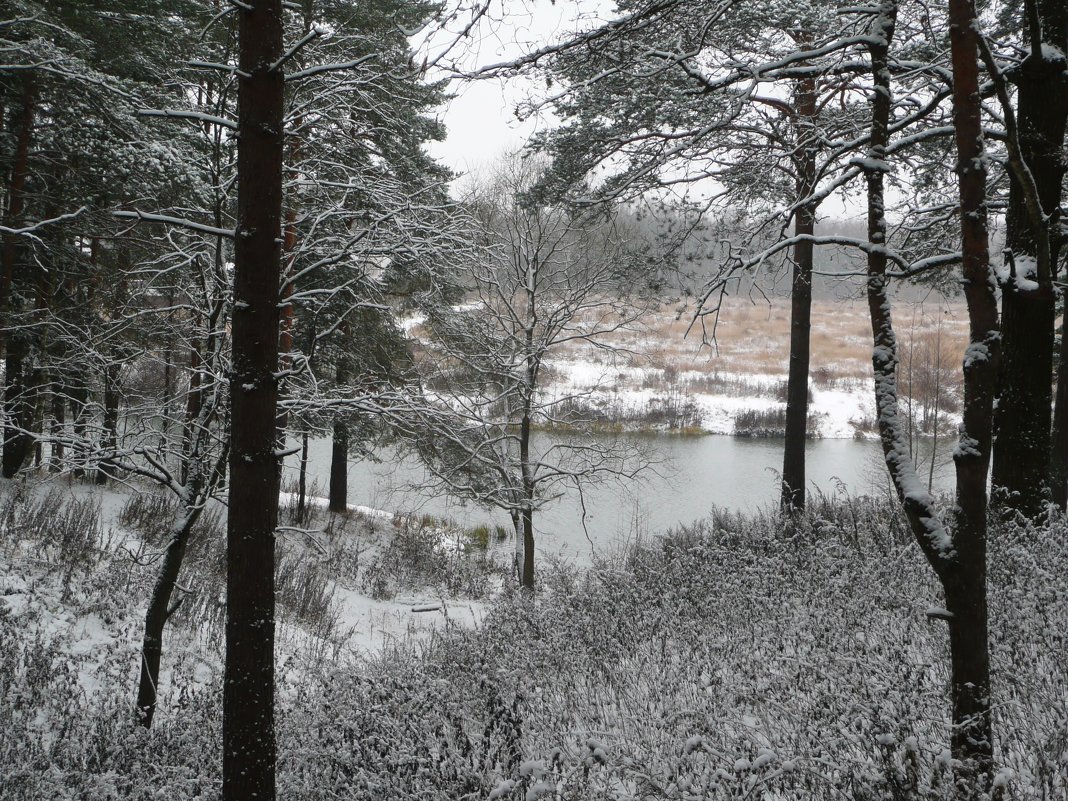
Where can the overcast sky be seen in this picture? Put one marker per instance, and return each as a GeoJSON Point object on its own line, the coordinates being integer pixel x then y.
{"type": "Point", "coordinates": [481, 119]}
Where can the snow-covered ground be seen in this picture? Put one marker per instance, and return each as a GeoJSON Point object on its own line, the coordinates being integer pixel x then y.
{"type": "Point", "coordinates": [628, 390]}
{"type": "Point", "coordinates": [370, 624]}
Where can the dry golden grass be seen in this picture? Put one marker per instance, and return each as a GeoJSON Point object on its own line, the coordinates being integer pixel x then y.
{"type": "Point", "coordinates": [749, 339]}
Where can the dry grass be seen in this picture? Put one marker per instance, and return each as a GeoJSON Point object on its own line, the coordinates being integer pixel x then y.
{"type": "Point", "coordinates": [754, 340]}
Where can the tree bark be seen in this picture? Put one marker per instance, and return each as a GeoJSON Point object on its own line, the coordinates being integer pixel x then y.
{"type": "Point", "coordinates": [16, 439]}
{"type": "Point", "coordinates": [302, 476]}
{"type": "Point", "coordinates": [158, 613]}
{"type": "Point", "coordinates": [339, 454]}
{"type": "Point", "coordinates": [59, 420]}
{"type": "Point", "coordinates": [972, 741]}
{"type": "Point", "coordinates": [793, 465]}
{"type": "Point", "coordinates": [16, 194]}
{"type": "Point", "coordinates": [959, 560]}
{"type": "Point", "coordinates": [18, 407]}
{"type": "Point", "coordinates": [111, 421]}
{"type": "Point", "coordinates": [249, 749]}
{"type": "Point", "coordinates": [525, 550]}
{"type": "Point", "coordinates": [1059, 446]}
{"type": "Point", "coordinates": [1022, 450]}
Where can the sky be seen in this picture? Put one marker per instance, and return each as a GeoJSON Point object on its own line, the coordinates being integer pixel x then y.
{"type": "Point", "coordinates": [481, 118]}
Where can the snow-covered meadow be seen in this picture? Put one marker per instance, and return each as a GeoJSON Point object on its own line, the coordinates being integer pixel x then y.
{"type": "Point", "coordinates": [666, 372]}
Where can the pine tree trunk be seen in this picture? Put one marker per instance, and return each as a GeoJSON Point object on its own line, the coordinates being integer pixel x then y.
{"type": "Point", "coordinates": [111, 422]}
{"type": "Point", "coordinates": [18, 408]}
{"type": "Point", "coordinates": [793, 464]}
{"type": "Point", "coordinates": [959, 559]}
{"type": "Point", "coordinates": [1059, 447]}
{"type": "Point", "coordinates": [965, 582]}
{"type": "Point", "coordinates": [1022, 450]}
{"type": "Point", "coordinates": [16, 195]}
{"type": "Point", "coordinates": [59, 420]}
{"type": "Point", "coordinates": [193, 402]}
{"type": "Point", "coordinates": [302, 477]}
{"type": "Point", "coordinates": [339, 454]}
{"type": "Point", "coordinates": [249, 750]}
{"type": "Point", "coordinates": [79, 402]}
{"type": "Point", "coordinates": [339, 467]}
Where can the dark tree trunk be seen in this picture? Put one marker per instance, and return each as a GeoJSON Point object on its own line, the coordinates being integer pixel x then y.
{"type": "Point", "coordinates": [526, 577]}
{"type": "Point", "coordinates": [18, 408]}
{"type": "Point", "coordinates": [339, 467]}
{"type": "Point", "coordinates": [79, 402]}
{"type": "Point", "coordinates": [959, 559]}
{"type": "Point", "coordinates": [59, 420]}
{"type": "Point", "coordinates": [793, 463]}
{"type": "Point", "coordinates": [1022, 450]}
{"type": "Point", "coordinates": [339, 454]}
{"type": "Point", "coordinates": [1059, 449]}
{"type": "Point", "coordinates": [302, 477]}
{"type": "Point", "coordinates": [159, 611]}
{"type": "Point", "coordinates": [16, 193]}
{"type": "Point", "coordinates": [168, 376]}
{"type": "Point", "coordinates": [249, 750]}
{"type": "Point", "coordinates": [111, 422]}
{"type": "Point", "coordinates": [194, 400]}
{"type": "Point", "coordinates": [965, 582]}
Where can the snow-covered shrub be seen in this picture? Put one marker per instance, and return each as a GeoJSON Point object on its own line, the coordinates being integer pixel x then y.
{"type": "Point", "coordinates": [734, 660]}
{"type": "Point", "coordinates": [423, 553]}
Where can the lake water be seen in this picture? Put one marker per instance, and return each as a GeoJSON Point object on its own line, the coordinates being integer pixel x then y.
{"type": "Point", "coordinates": [695, 475]}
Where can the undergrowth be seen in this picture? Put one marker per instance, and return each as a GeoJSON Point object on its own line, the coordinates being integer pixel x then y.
{"type": "Point", "coordinates": [736, 658]}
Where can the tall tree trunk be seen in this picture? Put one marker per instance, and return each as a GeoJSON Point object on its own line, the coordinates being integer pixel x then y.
{"type": "Point", "coordinates": [965, 584]}
{"type": "Point", "coordinates": [525, 549]}
{"type": "Point", "coordinates": [1059, 449]}
{"type": "Point", "coordinates": [18, 407]}
{"type": "Point", "coordinates": [1022, 450]}
{"type": "Point", "coordinates": [302, 476]}
{"type": "Point", "coordinates": [339, 453]}
{"type": "Point", "coordinates": [16, 195]}
{"type": "Point", "coordinates": [17, 417]}
{"type": "Point", "coordinates": [193, 402]}
{"type": "Point", "coordinates": [959, 559]}
{"type": "Point", "coordinates": [78, 393]}
{"type": "Point", "coordinates": [249, 750]}
{"type": "Point", "coordinates": [339, 467]}
{"type": "Point", "coordinates": [793, 463]}
{"type": "Point", "coordinates": [111, 422]}
{"type": "Point", "coordinates": [59, 420]}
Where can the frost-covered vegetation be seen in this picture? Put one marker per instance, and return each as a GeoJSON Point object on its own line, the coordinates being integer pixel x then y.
{"type": "Point", "coordinates": [728, 659]}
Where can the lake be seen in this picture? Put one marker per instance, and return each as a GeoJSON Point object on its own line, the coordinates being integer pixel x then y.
{"type": "Point", "coordinates": [695, 474]}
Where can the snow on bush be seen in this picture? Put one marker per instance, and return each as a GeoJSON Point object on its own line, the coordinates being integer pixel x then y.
{"type": "Point", "coordinates": [726, 660]}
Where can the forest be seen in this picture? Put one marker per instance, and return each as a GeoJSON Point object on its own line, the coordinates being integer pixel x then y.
{"type": "Point", "coordinates": [334, 467]}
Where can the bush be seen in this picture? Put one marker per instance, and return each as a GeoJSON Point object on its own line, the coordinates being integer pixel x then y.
{"type": "Point", "coordinates": [736, 658]}
{"type": "Point", "coordinates": [422, 553]}
{"type": "Point", "coordinates": [770, 423]}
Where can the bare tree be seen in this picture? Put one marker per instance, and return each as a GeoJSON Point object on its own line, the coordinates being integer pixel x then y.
{"type": "Point", "coordinates": [543, 282]}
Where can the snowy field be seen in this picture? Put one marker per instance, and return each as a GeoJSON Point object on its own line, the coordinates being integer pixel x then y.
{"type": "Point", "coordinates": [666, 373]}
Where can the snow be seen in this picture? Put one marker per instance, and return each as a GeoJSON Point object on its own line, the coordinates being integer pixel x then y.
{"type": "Point", "coordinates": [375, 625]}
{"type": "Point", "coordinates": [621, 389]}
